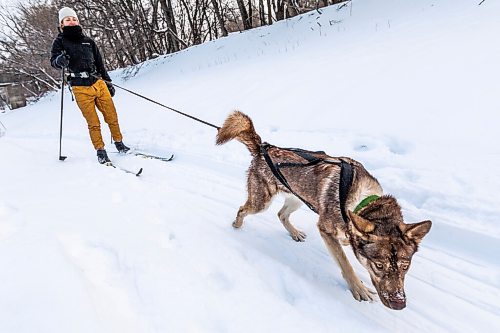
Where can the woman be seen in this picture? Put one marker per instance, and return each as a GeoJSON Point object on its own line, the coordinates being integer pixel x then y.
{"type": "Point", "coordinates": [73, 50]}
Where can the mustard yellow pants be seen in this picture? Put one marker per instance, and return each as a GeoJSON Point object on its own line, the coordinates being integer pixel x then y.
{"type": "Point", "coordinates": [87, 99]}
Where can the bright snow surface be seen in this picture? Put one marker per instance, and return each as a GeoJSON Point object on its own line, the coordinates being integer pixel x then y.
{"type": "Point", "coordinates": [409, 88]}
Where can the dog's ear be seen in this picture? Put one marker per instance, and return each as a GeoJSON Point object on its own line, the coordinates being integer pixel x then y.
{"type": "Point", "coordinates": [416, 231]}
{"type": "Point", "coordinates": [360, 224]}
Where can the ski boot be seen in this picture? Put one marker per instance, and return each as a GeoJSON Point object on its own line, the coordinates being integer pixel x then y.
{"type": "Point", "coordinates": [122, 149]}
{"type": "Point", "coordinates": [102, 156]}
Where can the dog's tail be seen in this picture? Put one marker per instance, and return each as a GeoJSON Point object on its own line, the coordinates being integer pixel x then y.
{"type": "Point", "coordinates": [239, 126]}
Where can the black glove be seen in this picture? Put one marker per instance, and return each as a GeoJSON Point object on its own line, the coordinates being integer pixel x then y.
{"type": "Point", "coordinates": [62, 61]}
{"type": "Point", "coordinates": [111, 89]}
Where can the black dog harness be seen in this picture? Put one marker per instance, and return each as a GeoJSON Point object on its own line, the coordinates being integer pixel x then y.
{"type": "Point", "coordinates": [346, 172]}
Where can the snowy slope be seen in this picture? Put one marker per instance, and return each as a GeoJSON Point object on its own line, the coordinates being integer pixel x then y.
{"type": "Point", "coordinates": [409, 88]}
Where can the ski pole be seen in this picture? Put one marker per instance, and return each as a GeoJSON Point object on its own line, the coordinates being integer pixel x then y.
{"type": "Point", "coordinates": [61, 158]}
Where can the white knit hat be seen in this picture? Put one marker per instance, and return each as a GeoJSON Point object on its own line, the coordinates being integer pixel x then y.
{"type": "Point", "coordinates": [66, 11]}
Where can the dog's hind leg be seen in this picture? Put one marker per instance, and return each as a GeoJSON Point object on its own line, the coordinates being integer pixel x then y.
{"type": "Point", "coordinates": [260, 195]}
{"type": "Point", "coordinates": [359, 291]}
{"type": "Point", "coordinates": [292, 203]}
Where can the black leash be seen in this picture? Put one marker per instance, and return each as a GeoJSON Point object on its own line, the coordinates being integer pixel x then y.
{"type": "Point", "coordinates": [158, 103]}
{"type": "Point", "coordinates": [346, 173]}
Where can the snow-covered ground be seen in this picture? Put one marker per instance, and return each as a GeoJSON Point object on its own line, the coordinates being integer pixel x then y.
{"type": "Point", "coordinates": [409, 88]}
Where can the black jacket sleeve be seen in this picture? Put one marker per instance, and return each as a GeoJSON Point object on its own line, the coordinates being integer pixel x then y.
{"type": "Point", "coordinates": [57, 49]}
{"type": "Point", "coordinates": [99, 64]}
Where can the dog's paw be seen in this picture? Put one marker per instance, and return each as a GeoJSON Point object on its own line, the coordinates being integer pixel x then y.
{"type": "Point", "coordinates": [362, 293]}
{"type": "Point", "coordinates": [299, 236]}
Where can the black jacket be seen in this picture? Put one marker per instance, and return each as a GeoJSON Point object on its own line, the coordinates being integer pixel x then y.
{"type": "Point", "coordinates": [84, 56]}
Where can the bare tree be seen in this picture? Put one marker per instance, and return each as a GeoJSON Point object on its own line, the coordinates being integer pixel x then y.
{"type": "Point", "coordinates": [194, 14]}
{"type": "Point", "coordinates": [244, 15]}
{"type": "Point", "coordinates": [25, 46]}
{"type": "Point", "coordinates": [169, 18]}
{"type": "Point", "coordinates": [269, 12]}
{"type": "Point", "coordinates": [262, 14]}
{"type": "Point", "coordinates": [127, 32]}
{"type": "Point", "coordinates": [220, 18]}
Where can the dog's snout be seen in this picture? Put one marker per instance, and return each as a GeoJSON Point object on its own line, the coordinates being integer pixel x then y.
{"type": "Point", "coordinates": [397, 300]}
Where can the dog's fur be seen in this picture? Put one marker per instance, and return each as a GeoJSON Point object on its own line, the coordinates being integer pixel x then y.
{"type": "Point", "coordinates": [379, 238]}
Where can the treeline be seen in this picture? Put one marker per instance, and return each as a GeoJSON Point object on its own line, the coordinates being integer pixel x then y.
{"type": "Point", "coordinates": [128, 32]}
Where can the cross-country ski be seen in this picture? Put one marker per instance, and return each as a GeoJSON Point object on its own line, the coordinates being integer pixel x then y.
{"type": "Point", "coordinates": [111, 164]}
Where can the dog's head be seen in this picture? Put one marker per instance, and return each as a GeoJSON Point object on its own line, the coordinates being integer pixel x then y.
{"type": "Point", "coordinates": [384, 245]}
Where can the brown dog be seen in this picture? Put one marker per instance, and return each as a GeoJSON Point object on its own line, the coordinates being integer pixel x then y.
{"type": "Point", "coordinates": [349, 201]}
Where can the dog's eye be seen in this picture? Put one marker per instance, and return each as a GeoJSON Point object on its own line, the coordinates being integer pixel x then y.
{"type": "Point", "coordinates": [404, 266]}
{"type": "Point", "coordinates": [379, 265]}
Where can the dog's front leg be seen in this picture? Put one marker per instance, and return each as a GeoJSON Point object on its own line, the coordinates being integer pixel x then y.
{"type": "Point", "coordinates": [358, 289]}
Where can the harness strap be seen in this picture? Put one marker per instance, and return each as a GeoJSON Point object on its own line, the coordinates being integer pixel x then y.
{"type": "Point", "coordinates": [346, 173]}
{"type": "Point", "coordinates": [277, 173]}
{"type": "Point", "coordinates": [346, 177]}
{"type": "Point", "coordinates": [305, 153]}
{"type": "Point", "coordinates": [80, 75]}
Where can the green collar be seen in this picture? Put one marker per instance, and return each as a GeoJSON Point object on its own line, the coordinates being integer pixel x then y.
{"type": "Point", "coordinates": [365, 202]}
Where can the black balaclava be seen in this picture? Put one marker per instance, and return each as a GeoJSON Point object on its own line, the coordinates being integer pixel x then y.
{"type": "Point", "coordinates": [73, 32]}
